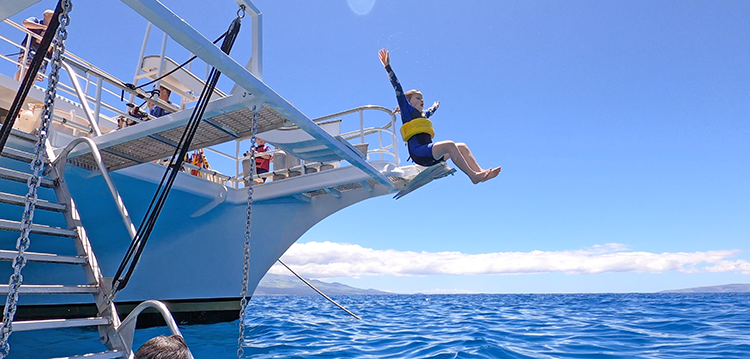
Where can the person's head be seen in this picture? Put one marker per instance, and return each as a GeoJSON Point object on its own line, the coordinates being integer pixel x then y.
{"type": "Point", "coordinates": [164, 93]}
{"type": "Point", "coordinates": [415, 99]}
{"type": "Point", "coordinates": [48, 16]}
{"type": "Point", "coordinates": [260, 141]}
{"type": "Point", "coordinates": [162, 347]}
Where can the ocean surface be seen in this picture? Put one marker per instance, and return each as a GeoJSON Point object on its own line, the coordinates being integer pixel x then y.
{"type": "Point", "coordinates": [457, 326]}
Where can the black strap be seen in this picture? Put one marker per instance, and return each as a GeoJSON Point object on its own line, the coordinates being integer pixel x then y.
{"type": "Point", "coordinates": [135, 250]}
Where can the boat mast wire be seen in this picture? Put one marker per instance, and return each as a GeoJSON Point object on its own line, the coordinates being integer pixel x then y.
{"type": "Point", "coordinates": [129, 262]}
{"type": "Point", "coordinates": [30, 75]}
{"type": "Point", "coordinates": [319, 292]}
{"type": "Point", "coordinates": [61, 18]}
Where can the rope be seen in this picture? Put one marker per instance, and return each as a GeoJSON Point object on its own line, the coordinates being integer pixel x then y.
{"type": "Point", "coordinates": [177, 68]}
{"type": "Point", "coordinates": [135, 250]}
{"type": "Point", "coordinates": [37, 165]}
{"type": "Point", "coordinates": [319, 292]}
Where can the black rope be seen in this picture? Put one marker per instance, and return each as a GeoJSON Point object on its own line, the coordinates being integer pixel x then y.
{"type": "Point", "coordinates": [30, 76]}
{"type": "Point", "coordinates": [135, 250]}
{"type": "Point", "coordinates": [181, 65]}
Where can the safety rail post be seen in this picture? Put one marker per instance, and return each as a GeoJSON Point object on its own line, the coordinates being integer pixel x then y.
{"type": "Point", "coordinates": [82, 97]}
{"type": "Point", "coordinates": [380, 143]}
{"type": "Point", "coordinates": [60, 162]}
{"type": "Point", "coordinates": [235, 183]}
{"type": "Point", "coordinates": [160, 71]}
{"type": "Point", "coordinates": [395, 139]}
{"type": "Point", "coordinates": [362, 125]}
{"type": "Point", "coordinates": [98, 101]}
{"type": "Point", "coordinates": [140, 59]}
{"type": "Point", "coordinates": [27, 47]}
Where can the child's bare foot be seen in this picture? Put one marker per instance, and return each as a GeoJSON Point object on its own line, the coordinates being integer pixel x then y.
{"type": "Point", "coordinates": [492, 174]}
{"type": "Point", "coordinates": [480, 176]}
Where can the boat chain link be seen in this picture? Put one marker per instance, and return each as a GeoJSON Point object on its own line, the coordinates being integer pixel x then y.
{"type": "Point", "coordinates": [248, 226]}
{"type": "Point", "coordinates": [37, 166]}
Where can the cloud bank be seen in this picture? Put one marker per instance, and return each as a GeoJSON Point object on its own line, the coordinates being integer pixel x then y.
{"type": "Point", "coordinates": [330, 260]}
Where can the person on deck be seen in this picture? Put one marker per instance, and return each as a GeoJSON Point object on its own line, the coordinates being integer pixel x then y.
{"type": "Point", "coordinates": [417, 131]}
{"type": "Point", "coordinates": [157, 111]}
{"type": "Point", "coordinates": [37, 26]}
{"type": "Point", "coordinates": [262, 162]}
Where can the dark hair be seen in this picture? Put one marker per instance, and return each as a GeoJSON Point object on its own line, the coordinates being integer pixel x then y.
{"type": "Point", "coordinates": [162, 347]}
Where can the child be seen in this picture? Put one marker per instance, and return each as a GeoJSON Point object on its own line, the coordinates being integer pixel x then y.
{"type": "Point", "coordinates": [417, 131]}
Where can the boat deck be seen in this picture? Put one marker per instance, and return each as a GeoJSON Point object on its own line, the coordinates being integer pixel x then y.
{"type": "Point", "coordinates": [220, 128]}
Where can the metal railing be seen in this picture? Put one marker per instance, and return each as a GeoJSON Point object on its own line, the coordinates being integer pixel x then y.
{"type": "Point", "coordinates": [387, 145]}
{"type": "Point", "coordinates": [60, 162]}
{"type": "Point", "coordinates": [127, 327]}
{"type": "Point", "coordinates": [88, 86]}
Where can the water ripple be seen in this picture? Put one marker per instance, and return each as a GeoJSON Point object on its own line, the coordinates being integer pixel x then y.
{"type": "Point", "coordinates": [459, 326]}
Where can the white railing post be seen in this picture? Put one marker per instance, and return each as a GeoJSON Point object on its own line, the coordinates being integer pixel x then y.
{"type": "Point", "coordinates": [395, 140]}
{"type": "Point", "coordinates": [161, 60]}
{"type": "Point", "coordinates": [140, 59]}
{"type": "Point", "coordinates": [362, 125]}
{"type": "Point", "coordinates": [237, 165]}
{"type": "Point", "coordinates": [98, 103]}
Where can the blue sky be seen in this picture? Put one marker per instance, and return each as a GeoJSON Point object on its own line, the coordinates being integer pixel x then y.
{"type": "Point", "coordinates": [621, 127]}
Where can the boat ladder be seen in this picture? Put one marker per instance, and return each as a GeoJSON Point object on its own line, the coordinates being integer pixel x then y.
{"type": "Point", "coordinates": [116, 335]}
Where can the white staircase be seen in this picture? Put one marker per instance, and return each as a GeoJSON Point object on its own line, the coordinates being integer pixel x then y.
{"type": "Point", "coordinates": [58, 207]}
{"type": "Point", "coordinates": [90, 281]}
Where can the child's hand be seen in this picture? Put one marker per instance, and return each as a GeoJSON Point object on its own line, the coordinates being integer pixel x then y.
{"type": "Point", "coordinates": [384, 57]}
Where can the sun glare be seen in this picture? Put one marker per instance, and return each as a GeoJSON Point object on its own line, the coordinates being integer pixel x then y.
{"type": "Point", "coordinates": [361, 7]}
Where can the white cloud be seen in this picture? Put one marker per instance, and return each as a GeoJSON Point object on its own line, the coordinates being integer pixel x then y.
{"type": "Point", "coordinates": [329, 260]}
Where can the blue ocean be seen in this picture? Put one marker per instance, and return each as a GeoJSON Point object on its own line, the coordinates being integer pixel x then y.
{"type": "Point", "coordinates": [457, 326]}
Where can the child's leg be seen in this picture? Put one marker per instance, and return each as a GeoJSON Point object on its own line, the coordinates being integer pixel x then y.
{"type": "Point", "coordinates": [469, 157]}
{"type": "Point", "coordinates": [442, 148]}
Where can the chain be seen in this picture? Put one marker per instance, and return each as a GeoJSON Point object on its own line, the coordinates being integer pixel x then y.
{"type": "Point", "coordinates": [37, 166]}
{"type": "Point", "coordinates": [248, 226]}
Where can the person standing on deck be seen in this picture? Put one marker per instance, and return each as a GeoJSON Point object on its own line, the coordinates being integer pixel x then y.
{"type": "Point", "coordinates": [262, 161]}
{"type": "Point", "coordinates": [37, 26]}
{"type": "Point", "coordinates": [417, 131]}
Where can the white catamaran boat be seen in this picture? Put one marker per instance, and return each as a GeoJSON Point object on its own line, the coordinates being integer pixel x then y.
{"type": "Point", "coordinates": [99, 176]}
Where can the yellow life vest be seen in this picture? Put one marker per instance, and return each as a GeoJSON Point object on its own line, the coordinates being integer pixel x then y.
{"type": "Point", "coordinates": [415, 127]}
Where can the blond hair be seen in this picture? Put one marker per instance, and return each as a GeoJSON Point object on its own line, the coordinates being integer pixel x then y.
{"type": "Point", "coordinates": [408, 95]}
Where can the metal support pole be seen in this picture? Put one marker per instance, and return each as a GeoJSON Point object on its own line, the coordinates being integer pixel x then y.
{"type": "Point", "coordinates": [237, 165]}
{"type": "Point", "coordinates": [98, 103]}
{"type": "Point", "coordinates": [140, 59]}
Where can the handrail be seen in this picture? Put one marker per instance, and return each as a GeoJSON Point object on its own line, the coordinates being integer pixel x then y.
{"type": "Point", "coordinates": [82, 98]}
{"type": "Point", "coordinates": [60, 162]}
{"type": "Point", "coordinates": [354, 110]}
{"type": "Point", "coordinates": [127, 327]}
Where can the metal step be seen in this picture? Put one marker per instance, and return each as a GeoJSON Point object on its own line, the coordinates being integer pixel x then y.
{"type": "Point", "coordinates": [18, 154]}
{"type": "Point", "coordinates": [27, 325]}
{"type": "Point", "coordinates": [40, 204]}
{"type": "Point", "coordinates": [23, 135]}
{"type": "Point", "coordinates": [23, 177]}
{"type": "Point", "coordinates": [103, 355]}
{"type": "Point", "coordinates": [42, 257]}
{"type": "Point", "coordinates": [14, 226]}
{"type": "Point", "coordinates": [51, 289]}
